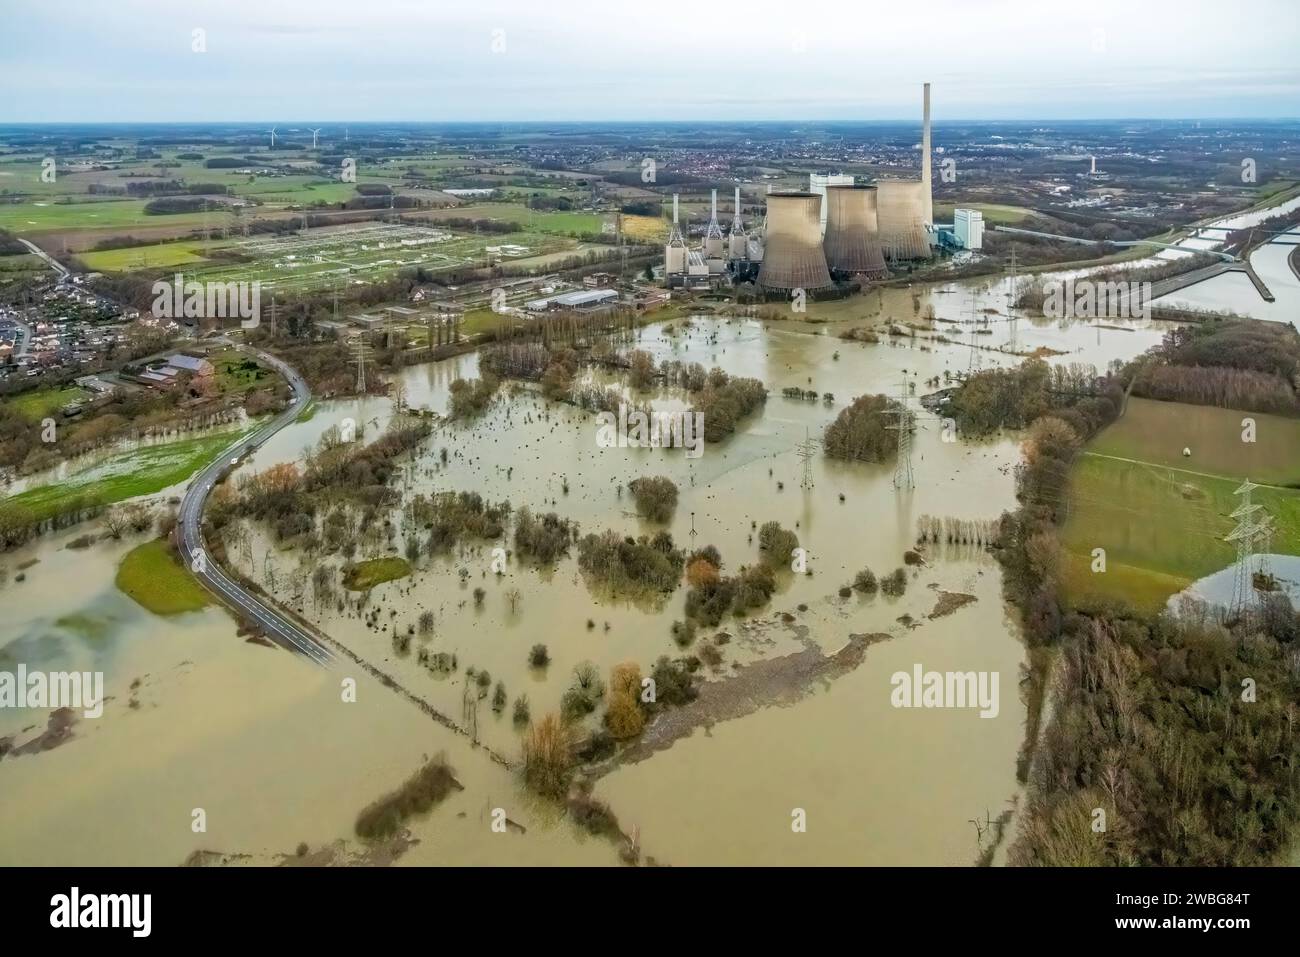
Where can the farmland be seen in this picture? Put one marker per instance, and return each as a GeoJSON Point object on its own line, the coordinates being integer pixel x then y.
{"type": "Point", "coordinates": [1161, 520]}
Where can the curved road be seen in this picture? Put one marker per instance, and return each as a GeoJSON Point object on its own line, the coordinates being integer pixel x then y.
{"type": "Point", "coordinates": [277, 625]}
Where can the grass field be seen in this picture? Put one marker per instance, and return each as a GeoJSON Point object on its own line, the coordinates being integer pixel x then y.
{"type": "Point", "coordinates": [368, 574]}
{"type": "Point", "coordinates": [157, 256]}
{"type": "Point", "coordinates": [993, 212]}
{"type": "Point", "coordinates": [142, 471]}
{"type": "Point", "coordinates": [34, 217]}
{"type": "Point", "coordinates": [40, 403]}
{"type": "Point", "coordinates": [152, 576]}
{"type": "Point", "coordinates": [1160, 520]}
{"type": "Point", "coordinates": [1159, 431]}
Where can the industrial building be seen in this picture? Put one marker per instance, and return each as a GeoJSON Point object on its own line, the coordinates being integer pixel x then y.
{"type": "Point", "coordinates": [793, 257]}
{"type": "Point", "coordinates": [968, 227]}
{"type": "Point", "coordinates": [818, 183]}
{"type": "Point", "coordinates": [582, 299]}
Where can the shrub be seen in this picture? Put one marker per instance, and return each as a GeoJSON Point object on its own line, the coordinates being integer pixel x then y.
{"type": "Point", "coordinates": [623, 716]}
{"type": "Point", "coordinates": [865, 581]}
{"type": "Point", "coordinates": [861, 432]}
{"type": "Point", "coordinates": [625, 679]}
{"type": "Point", "coordinates": [417, 795]}
{"type": "Point", "coordinates": [777, 543]}
{"type": "Point", "coordinates": [548, 756]}
{"type": "Point", "coordinates": [499, 698]}
{"type": "Point", "coordinates": [538, 656]}
{"type": "Point", "coordinates": [521, 711]}
{"type": "Point", "coordinates": [895, 583]}
{"type": "Point", "coordinates": [656, 497]}
{"type": "Point", "coordinates": [673, 684]}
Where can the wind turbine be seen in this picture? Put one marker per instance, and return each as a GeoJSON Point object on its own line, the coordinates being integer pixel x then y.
{"type": "Point", "coordinates": [313, 137]}
{"type": "Point", "coordinates": [272, 132]}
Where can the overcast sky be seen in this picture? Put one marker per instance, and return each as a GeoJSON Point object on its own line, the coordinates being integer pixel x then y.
{"type": "Point", "coordinates": [496, 60]}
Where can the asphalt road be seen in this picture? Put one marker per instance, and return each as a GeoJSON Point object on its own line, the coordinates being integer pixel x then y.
{"type": "Point", "coordinates": [274, 623]}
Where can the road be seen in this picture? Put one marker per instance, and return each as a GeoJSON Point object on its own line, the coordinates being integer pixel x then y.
{"type": "Point", "coordinates": [278, 626]}
{"type": "Point", "coordinates": [53, 263]}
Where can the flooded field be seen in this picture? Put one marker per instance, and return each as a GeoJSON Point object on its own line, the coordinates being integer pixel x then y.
{"type": "Point", "coordinates": [264, 744]}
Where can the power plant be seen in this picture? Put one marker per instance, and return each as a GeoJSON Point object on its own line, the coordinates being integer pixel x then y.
{"type": "Point", "coordinates": [901, 213]}
{"type": "Point", "coordinates": [836, 225]}
{"type": "Point", "coordinates": [852, 241]}
{"type": "Point", "coordinates": [792, 250]}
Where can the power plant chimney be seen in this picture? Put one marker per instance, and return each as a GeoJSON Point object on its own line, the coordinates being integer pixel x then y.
{"type": "Point", "coordinates": [675, 253]}
{"type": "Point", "coordinates": [925, 160]}
{"type": "Point", "coordinates": [713, 243]}
{"type": "Point", "coordinates": [738, 242]}
{"type": "Point", "coordinates": [793, 256]}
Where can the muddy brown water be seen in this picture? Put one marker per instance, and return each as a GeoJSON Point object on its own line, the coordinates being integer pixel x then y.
{"type": "Point", "coordinates": [262, 741]}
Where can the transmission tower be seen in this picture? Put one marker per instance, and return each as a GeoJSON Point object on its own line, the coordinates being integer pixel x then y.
{"type": "Point", "coordinates": [807, 449]}
{"type": "Point", "coordinates": [360, 351]}
{"type": "Point", "coordinates": [1013, 344]}
{"type": "Point", "coordinates": [1244, 536]}
{"type": "Point", "coordinates": [974, 364]}
{"type": "Point", "coordinates": [905, 422]}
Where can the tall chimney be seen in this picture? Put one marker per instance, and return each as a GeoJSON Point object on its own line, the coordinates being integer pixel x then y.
{"type": "Point", "coordinates": [674, 209]}
{"type": "Point", "coordinates": [926, 187]}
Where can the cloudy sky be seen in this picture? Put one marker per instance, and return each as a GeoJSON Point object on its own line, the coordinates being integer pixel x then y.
{"type": "Point", "coordinates": [503, 60]}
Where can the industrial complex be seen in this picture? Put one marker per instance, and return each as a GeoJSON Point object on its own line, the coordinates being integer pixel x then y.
{"type": "Point", "coordinates": [836, 229]}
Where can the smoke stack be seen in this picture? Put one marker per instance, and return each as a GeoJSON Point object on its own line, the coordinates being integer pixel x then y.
{"type": "Point", "coordinates": [738, 242]}
{"type": "Point", "coordinates": [713, 208]}
{"type": "Point", "coordinates": [928, 208]}
{"type": "Point", "coordinates": [852, 233]}
{"type": "Point", "coordinates": [793, 257]}
{"type": "Point", "coordinates": [674, 209]}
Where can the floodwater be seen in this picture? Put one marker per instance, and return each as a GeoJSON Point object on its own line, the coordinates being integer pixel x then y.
{"type": "Point", "coordinates": [263, 742]}
{"type": "Point", "coordinates": [259, 740]}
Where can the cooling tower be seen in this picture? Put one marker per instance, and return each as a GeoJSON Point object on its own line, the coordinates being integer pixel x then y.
{"type": "Point", "coordinates": [900, 210]}
{"type": "Point", "coordinates": [792, 254]}
{"type": "Point", "coordinates": [852, 238]}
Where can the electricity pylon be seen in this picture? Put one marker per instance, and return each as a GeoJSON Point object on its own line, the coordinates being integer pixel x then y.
{"type": "Point", "coordinates": [1244, 535]}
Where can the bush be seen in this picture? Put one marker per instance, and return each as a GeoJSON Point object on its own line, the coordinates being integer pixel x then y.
{"type": "Point", "coordinates": [861, 432]}
{"type": "Point", "coordinates": [865, 581]}
{"type": "Point", "coordinates": [656, 497]}
{"type": "Point", "coordinates": [895, 583]}
{"type": "Point", "coordinates": [521, 711]}
{"type": "Point", "coordinates": [499, 698]}
{"type": "Point", "coordinates": [417, 795]}
{"type": "Point", "coordinates": [575, 705]}
{"type": "Point", "coordinates": [548, 756]}
{"type": "Point", "coordinates": [623, 716]}
{"type": "Point", "coordinates": [673, 683]}
{"type": "Point", "coordinates": [776, 543]}
{"type": "Point", "coordinates": [538, 656]}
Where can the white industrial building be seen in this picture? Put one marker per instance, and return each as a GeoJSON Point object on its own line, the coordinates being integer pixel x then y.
{"type": "Point", "coordinates": [968, 227]}
{"type": "Point", "coordinates": [817, 183]}
{"type": "Point", "coordinates": [583, 299]}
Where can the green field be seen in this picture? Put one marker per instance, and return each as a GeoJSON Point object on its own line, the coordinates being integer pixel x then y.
{"type": "Point", "coordinates": [1161, 521]}
{"type": "Point", "coordinates": [34, 217]}
{"type": "Point", "coordinates": [40, 403]}
{"type": "Point", "coordinates": [142, 471]}
{"type": "Point", "coordinates": [151, 574]}
{"type": "Point", "coordinates": [366, 575]}
{"type": "Point", "coordinates": [993, 212]}
{"type": "Point", "coordinates": [157, 256]}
